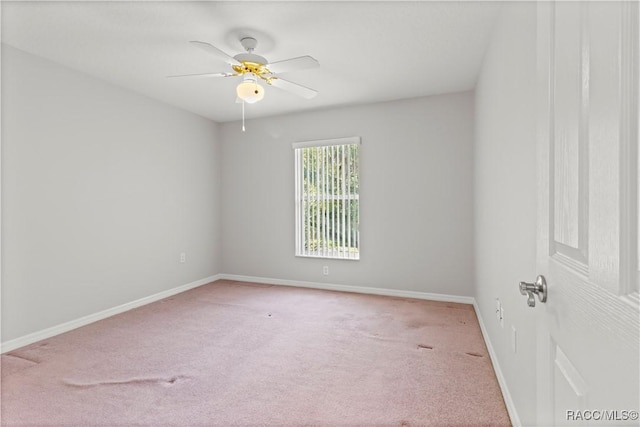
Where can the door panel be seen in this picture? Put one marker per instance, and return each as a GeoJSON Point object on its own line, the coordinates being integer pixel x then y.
{"type": "Point", "coordinates": [588, 331]}
{"type": "Point", "coordinates": [569, 386]}
{"type": "Point", "coordinates": [604, 22]}
{"type": "Point", "coordinates": [570, 90]}
{"type": "Point", "coordinates": [568, 154]}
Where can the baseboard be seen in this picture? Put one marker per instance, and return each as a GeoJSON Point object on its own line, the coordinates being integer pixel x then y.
{"type": "Point", "coordinates": [508, 400]}
{"type": "Point", "coordinates": [349, 288]}
{"type": "Point", "coordinates": [73, 324]}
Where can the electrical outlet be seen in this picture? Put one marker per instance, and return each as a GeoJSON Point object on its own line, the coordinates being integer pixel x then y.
{"type": "Point", "coordinates": [513, 338]}
{"type": "Point", "coordinates": [325, 270]}
{"type": "Point", "coordinates": [183, 257]}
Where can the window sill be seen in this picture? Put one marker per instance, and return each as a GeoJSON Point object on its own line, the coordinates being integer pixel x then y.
{"type": "Point", "coordinates": [328, 257]}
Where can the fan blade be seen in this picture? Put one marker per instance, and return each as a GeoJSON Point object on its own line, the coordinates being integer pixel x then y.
{"type": "Point", "coordinates": [216, 52]}
{"type": "Point", "coordinates": [300, 63]}
{"type": "Point", "coordinates": [294, 88]}
{"type": "Point", "coordinates": [204, 75]}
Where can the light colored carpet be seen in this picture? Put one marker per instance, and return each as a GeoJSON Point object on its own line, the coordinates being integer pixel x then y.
{"type": "Point", "coordinates": [240, 354]}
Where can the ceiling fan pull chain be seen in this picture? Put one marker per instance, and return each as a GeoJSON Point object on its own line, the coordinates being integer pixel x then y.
{"type": "Point", "coordinates": [243, 116]}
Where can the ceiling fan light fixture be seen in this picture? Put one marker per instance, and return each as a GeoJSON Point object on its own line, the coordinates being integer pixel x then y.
{"type": "Point", "coordinates": [249, 90]}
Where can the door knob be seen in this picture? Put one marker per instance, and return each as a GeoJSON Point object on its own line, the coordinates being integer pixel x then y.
{"type": "Point", "coordinates": [539, 288]}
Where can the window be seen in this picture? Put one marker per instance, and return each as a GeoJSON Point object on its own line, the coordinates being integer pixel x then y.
{"type": "Point", "coordinates": [327, 201]}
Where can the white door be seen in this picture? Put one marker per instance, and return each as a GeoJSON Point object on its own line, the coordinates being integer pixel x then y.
{"type": "Point", "coordinates": [588, 330]}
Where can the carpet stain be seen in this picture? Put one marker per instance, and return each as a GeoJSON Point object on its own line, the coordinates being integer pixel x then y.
{"type": "Point", "coordinates": [416, 324]}
{"type": "Point", "coordinates": [428, 347]}
{"type": "Point", "coordinates": [474, 354]}
{"type": "Point", "coordinates": [376, 337]}
{"type": "Point", "coordinates": [166, 382]}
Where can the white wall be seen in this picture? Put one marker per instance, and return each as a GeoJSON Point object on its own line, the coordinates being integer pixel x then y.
{"type": "Point", "coordinates": [101, 190]}
{"type": "Point", "coordinates": [505, 197]}
{"type": "Point", "coordinates": [415, 201]}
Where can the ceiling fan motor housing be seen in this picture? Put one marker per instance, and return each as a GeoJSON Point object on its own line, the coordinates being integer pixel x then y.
{"type": "Point", "coordinates": [250, 62]}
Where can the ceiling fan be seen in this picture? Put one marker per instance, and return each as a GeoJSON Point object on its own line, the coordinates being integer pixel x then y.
{"type": "Point", "coordinates": [253, 68]}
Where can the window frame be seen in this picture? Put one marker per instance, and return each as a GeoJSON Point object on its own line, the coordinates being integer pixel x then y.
{"type": "Point", "coordinates": [299, 237]}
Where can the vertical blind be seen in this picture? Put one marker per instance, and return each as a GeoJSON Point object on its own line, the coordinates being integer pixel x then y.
{"type": "Point", "coordinates": [327, 200]}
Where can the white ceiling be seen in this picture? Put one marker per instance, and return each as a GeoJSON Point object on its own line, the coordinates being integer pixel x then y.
{"type": "Point", "coordinates": [368, 51]}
